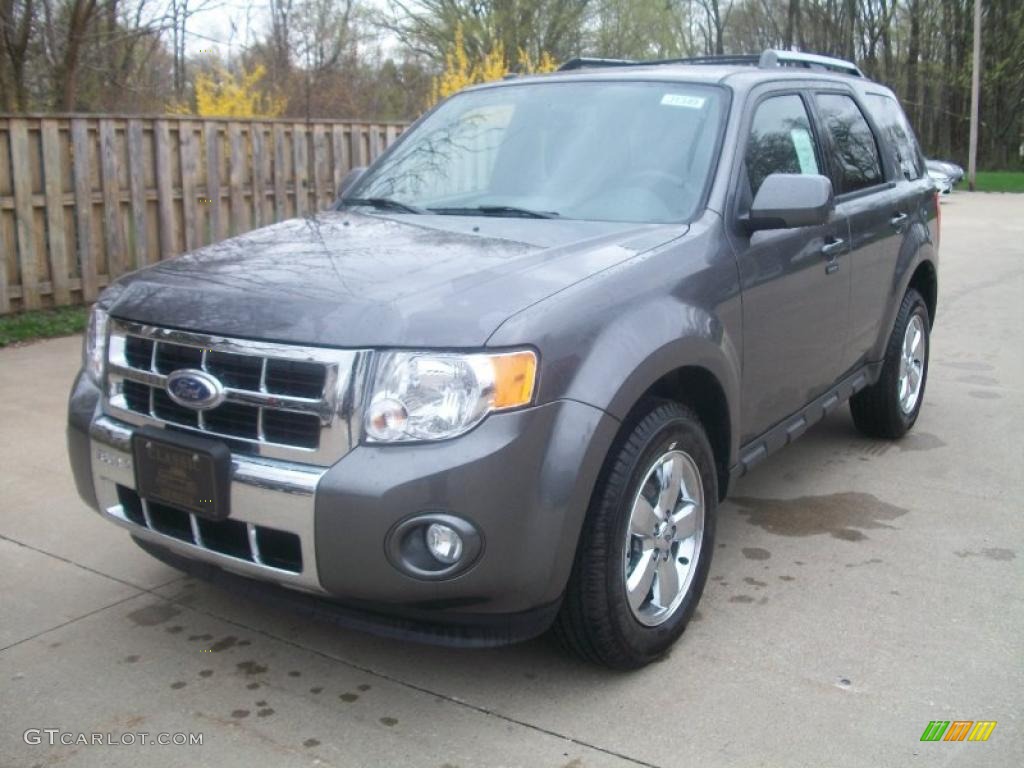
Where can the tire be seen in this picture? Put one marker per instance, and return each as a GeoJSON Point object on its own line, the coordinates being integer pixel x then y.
{"type": "Point", "coordinates": [881, 410]}
{"type": "Point", "coordinates": [596, 620]}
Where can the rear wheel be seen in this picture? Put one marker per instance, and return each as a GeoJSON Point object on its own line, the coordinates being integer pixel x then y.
{"type": "Point", "coordinates": [646, 547]}
{"type": "Point", "coordinates": [889, 408]}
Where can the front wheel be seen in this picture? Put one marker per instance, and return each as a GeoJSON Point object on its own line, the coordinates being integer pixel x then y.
{"type": "Point", "coordinates": [646, 546]}
{"type": "Point", "coordinates": [889, 408]}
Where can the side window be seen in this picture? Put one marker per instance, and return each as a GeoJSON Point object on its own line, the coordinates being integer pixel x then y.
{"type": "Point", "coordinates": [856, 153]}
{"type": "Point", "coordinates": [896, 129]}
{"type": "Point", "coordinates": [780, 140]}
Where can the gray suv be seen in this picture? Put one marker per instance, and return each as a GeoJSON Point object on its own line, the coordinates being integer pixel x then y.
{"type": "Point", "coordinates": [504, 385]}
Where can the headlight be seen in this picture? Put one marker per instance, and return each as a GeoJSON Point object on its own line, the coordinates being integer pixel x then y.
{"type": "Point", "coordinates": [438, 395]}
{"type": "Point", "coordinates": [94, 348]}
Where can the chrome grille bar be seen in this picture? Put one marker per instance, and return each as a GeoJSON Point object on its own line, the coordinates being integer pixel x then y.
{"type": "Point", "coordinates": [320, 441]}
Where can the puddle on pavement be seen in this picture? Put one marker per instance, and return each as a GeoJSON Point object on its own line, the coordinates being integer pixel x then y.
{"type": "Point", "coordinates": [985, 381]}
{"type": "Point", "coordinates": [154, 614]}
{"type": "Point", "coordinates": [841, 515]}
{"type": "Point", "coordinates": [224, 643]}
{"type": "Point", "coordinates": [920, 441]}
{"type": "Point", "coordinates": [985, 394]}
{"type": "Point", "coordinates": [991, 553]}
{"type": "Point", "coordinates": [966, 365]}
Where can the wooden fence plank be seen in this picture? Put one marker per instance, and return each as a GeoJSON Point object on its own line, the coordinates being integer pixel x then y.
{"type": "Point", "coordinates": [164, 189]}
{"type": "Point", "coordinates": [359, 146]}
{"type": "Point", "coordinates": [211, 137]}
{"type": "Point", "coordinates": [191, 221]}
{"type": "Point", "coordinates": [80, 146]}
{"type": "Point", "coordinates": [259, 193]}
{"type": "Point", "coordinates": [235, 175]}
{"type": "Point", "coordinates": [113, 237]}
{"type": "Point", "coordinates": [300, 163]}
{"type": "Point", "coordinates": [53, 186]}
{"type": "Point", "coordinates": [26, 239]}
{"type": "Point", "coordinates": [321, 177]}
{"type": "Point", "coordinates": [137, 188]}
{"type": "Point", "coordinates": [5, 295]}
{"type": "Point", "coordinates": [341, 159]}
{"type": "Point", "coordinates": [375, 141]}
{"type": "Point", "coordinates": [280, 199]}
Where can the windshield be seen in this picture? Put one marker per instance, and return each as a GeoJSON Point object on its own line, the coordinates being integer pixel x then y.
{"type": "Point", "coordinates": [605, 151]}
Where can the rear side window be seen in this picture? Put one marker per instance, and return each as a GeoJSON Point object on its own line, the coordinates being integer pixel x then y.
{"type": "Point", "coordinates": [857, 163]}
{"type": "Point", "coordinates": [780, 140]}
{"type": "Point", "coordinates": [896, 129]}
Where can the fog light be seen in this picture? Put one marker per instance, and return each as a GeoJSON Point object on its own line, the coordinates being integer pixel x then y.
{"type": "Point", "coordinates": [444, 543]}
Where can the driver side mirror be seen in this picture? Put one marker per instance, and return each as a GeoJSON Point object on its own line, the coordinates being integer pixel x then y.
{"type": "Point", "coordinates": [790, 200]}
{"type": "Point", "coordinates": [349, 179]}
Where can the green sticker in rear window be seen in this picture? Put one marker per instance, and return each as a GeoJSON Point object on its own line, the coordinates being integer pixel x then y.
{"type": "Point", "coordinates": [804, 151]}
{"type": "Point", "coordinates": [679, 100]}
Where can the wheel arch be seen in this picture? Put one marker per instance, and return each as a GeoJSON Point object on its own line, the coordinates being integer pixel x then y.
{"type": "Point", "coordinates": [697, 388]}
{"type": "Point", "coordinates": [700, 387]}
{"type": "Point", "coordinates": [926, 282]}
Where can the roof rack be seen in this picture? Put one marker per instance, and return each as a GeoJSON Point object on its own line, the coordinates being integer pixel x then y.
{"type": "Point", "coordinates": [767, 60]}
{"type": "Point", "coordinates": [772, 58]}
{"type": "Point", "coordinates": [585, 61]}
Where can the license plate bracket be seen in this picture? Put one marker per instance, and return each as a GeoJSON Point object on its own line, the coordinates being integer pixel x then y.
{"type": "Point", "coordinates": [183, 471]}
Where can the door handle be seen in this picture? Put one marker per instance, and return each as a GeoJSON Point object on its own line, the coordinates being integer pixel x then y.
{"type": "Point", "coordinates": [898, 220]}
{"type": "Point", "coordinates": [833, 247]}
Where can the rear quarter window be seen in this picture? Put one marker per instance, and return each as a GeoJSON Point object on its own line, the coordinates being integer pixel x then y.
{"type": "Point", "coordinates": [896, 130]}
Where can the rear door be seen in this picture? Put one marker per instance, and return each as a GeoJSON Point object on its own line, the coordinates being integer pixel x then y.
{"type": "Point", "coordinates": [796, 284]}
{"type": "Point", "coordinates": [866, 196]}
{"type": "Point", "coordinates": [911, 202]}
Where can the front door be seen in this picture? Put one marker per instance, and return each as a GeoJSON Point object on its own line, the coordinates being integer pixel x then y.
{"type": "Point", "coordinates": [795, 282]}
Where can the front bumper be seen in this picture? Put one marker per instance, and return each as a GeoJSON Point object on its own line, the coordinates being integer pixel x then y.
{"type": "Point", "coordinates": [524, 479]}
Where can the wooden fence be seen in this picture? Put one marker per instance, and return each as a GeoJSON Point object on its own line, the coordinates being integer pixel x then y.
{"type": "Point", "coordinates": [84, 199]}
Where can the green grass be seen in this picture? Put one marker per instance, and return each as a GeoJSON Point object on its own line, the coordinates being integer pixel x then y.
{"type": "Point", "coordinates": [998, 181]}
{"type": "Point", "coordinates": [42, 324]}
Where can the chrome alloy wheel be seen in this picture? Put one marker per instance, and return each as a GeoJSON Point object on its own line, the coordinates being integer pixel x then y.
{"type": "Point", "coordinates": [663, 539]}
{"type": "Point", "coordinates": [912, 357]}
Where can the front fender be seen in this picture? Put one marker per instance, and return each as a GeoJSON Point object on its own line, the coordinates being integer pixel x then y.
{"type": "Point", "coordinates": [608, 339]}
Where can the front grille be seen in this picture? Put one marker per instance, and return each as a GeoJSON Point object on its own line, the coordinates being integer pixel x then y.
{"type": "Point", "coordinates": [234, 538]}
{"type": "Point", "coordinates": [281, 401]}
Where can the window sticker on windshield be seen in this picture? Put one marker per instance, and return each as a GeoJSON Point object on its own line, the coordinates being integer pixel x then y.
{"type": "Point", "coordinates": [679, 100]}
{"type": "Point", "coordinates": [804, 151]}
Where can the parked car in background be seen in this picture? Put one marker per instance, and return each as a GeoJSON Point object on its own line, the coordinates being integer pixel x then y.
{"type": "Point", "coordinates": [505, 384]}
{"type": "Point", "coordinates": [946, 175]}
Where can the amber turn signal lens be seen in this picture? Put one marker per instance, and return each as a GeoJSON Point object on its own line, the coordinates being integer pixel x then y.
{"type": "Point", "coordinates": [515, 375]}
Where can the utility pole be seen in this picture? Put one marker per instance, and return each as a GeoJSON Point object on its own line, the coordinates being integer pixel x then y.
{"type": "Point", "coordinates": [972, 156]}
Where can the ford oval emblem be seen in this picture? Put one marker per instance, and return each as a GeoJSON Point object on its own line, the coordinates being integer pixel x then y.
{"type": "Point", "coordinates": [195, 389]}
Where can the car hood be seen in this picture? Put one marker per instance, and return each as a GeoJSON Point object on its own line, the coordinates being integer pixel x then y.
{"type": "Point", "coordinates": [356, 280]}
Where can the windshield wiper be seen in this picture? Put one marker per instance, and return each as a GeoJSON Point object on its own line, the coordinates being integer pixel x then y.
{"type": "Point", "coordinates": [382, 203]}
{"type": "Point", "coordinates": [496, 210]}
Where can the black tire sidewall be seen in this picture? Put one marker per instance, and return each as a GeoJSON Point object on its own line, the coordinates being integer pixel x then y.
{"type": "Point", "coordinates": [675, 431]}
{"type": "Point", "coordinates": [914, 305]}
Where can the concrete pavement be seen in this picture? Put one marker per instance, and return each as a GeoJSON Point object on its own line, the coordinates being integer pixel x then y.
{"type": "Point", "coordinates": [860, 589]}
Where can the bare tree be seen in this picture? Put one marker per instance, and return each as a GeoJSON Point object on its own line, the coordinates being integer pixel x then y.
{"type": "Point", "coordinates": [16, 23]}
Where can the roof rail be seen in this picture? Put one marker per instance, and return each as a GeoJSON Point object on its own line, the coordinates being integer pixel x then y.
{"type": "Point", "coordinates": [766, 60]}
{"type": "Point", "coordinates": [772, 58]}
{"type": "Point", "coordinates": [584, 61]}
